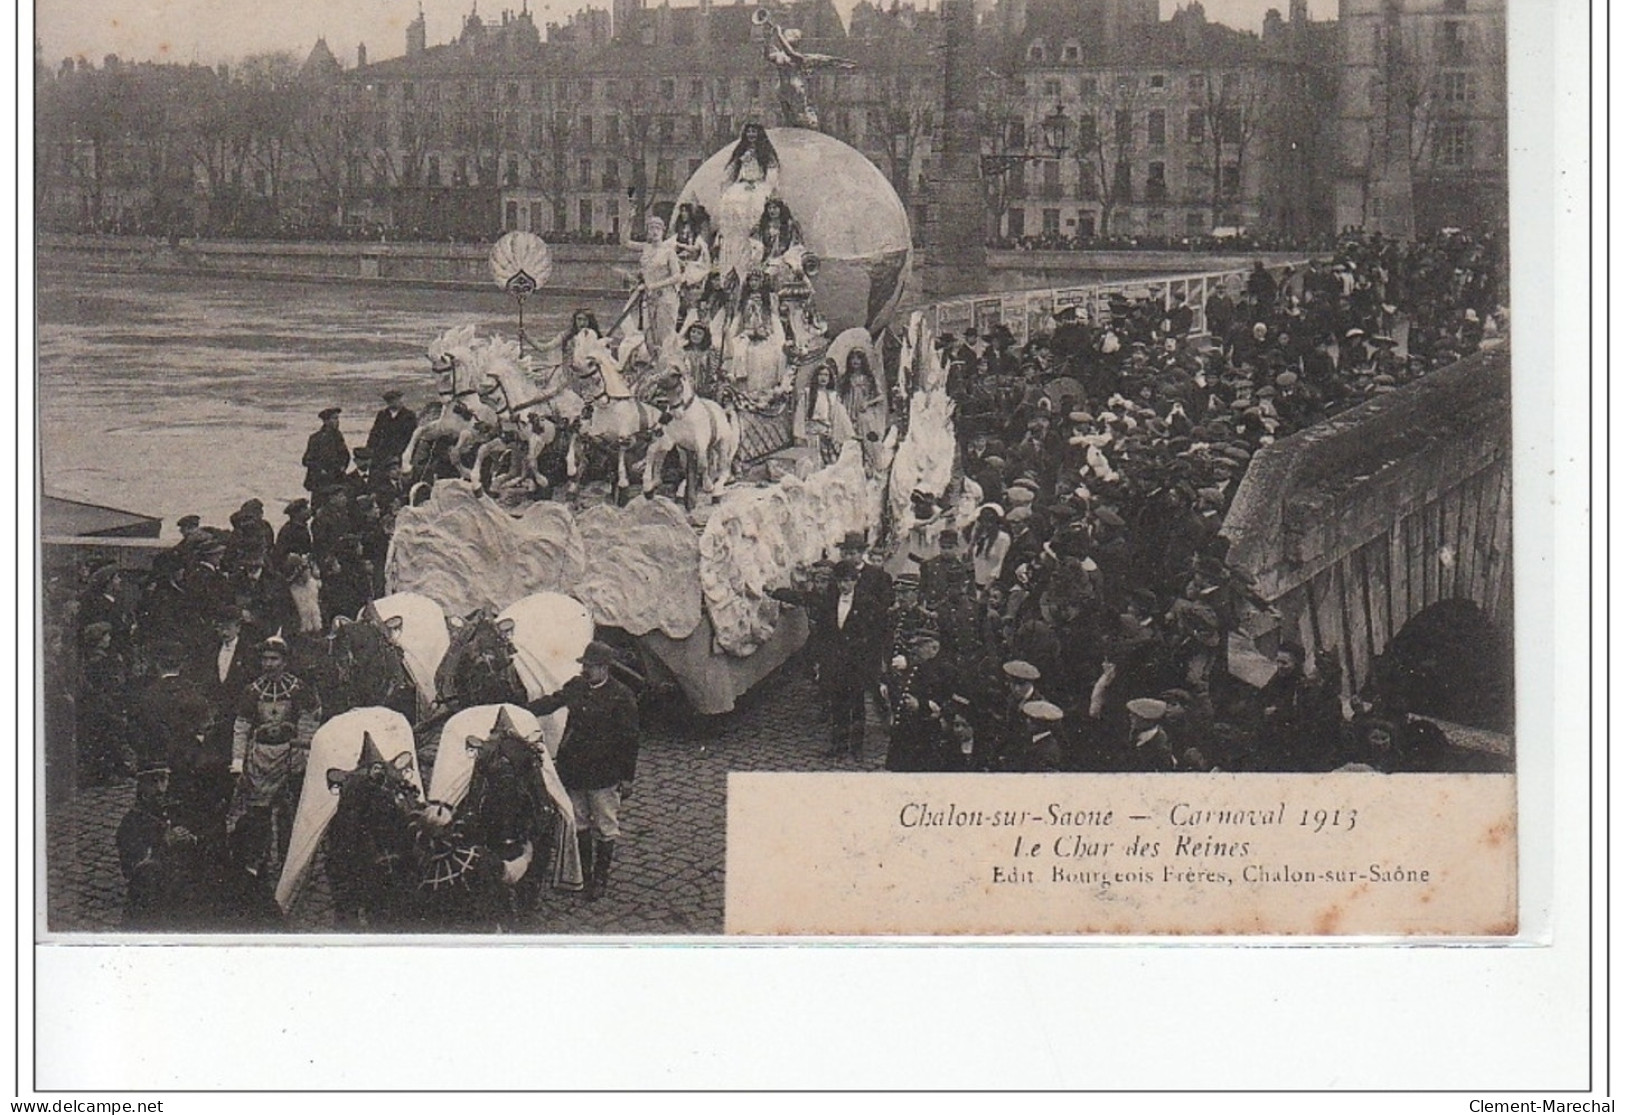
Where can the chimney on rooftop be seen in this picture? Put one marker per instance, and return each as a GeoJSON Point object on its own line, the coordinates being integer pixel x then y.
{"type": "Point", "coordinates": [417, 35]}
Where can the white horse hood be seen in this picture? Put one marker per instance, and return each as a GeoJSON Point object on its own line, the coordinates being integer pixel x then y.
{"type": "Point", "coordinates": [423, 636]}
{"type": "Point", "coordinates": [337, 746]}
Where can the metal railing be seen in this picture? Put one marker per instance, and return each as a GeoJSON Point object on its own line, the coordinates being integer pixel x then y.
{"type": "Point", "coordinates": [1029, 312]}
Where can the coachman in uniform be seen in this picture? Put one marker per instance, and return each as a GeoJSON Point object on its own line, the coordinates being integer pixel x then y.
{"type": "Point", "coordinates": [598, 757]}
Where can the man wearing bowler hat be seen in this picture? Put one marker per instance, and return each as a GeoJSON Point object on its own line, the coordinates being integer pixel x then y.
{"type": "Point", "coordinates": [598, 757]}
{"type": "Point", "coordinates": [326, 459]}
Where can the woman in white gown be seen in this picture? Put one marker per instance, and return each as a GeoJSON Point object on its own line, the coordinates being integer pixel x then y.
{"type": "Point", "coordinates": [865, 405]}
{"type": "Point", "coordinates": [821, 417]}
{"type": "Point", "coordinates": [750, 179]}
{"type": "Point", "coordinates": [691, 237]}
{"type": "Point", "coordinates": [756, 359]}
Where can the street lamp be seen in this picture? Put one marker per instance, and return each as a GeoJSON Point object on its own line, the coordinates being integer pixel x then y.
{"type": "Point", "coordinates": [1057, 132]}
{"type": "Point", "coordinates": [1057, 137]}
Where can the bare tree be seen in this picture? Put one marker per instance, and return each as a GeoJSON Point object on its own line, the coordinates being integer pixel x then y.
{"type": "Point", "coordinates": [1232, 109]}
{"type": "Point", "coordinates": [1106, 138]}
{"type": "Point", "coordinates": [1004, 141]}
{"type": "Point", "coordinates": [272, 99]}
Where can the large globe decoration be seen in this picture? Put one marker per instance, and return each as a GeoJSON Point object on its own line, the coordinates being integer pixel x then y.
{"type": "Point", "coordinates": [850, 217]}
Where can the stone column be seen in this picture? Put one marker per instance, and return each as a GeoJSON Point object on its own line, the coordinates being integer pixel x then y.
{"type": "Point", "coordinates": [956, 240]}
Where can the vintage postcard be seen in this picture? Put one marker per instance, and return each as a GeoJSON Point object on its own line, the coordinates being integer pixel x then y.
{"type": "Point", "coordinates": [1025, 468]}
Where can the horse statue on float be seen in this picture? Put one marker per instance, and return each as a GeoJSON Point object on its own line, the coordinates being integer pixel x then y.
{"type": "Point", "coordinates": [613, 417]}
{"type": "Point", "coordinates": [587, 396]}
{"type": "Point", "coordinates": [455, 358]}
{"type": "Point", "coordinates": [702, 430]}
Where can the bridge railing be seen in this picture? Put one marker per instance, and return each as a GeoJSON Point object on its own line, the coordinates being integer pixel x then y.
{"type": "Point", "coordinates": [1353, 526]}
{"type": "Point", "coordinates": [1028, 313]}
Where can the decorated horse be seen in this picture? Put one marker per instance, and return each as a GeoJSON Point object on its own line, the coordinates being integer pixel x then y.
{"type": "Point", "coordinates": [701, 429]}
{"type": "Point", "coordinates": [355, 665]}
{"type": "Point", "coordinates": [458, 360]}
{"type": "Point", "coordinates": [478, 665]}
{"type": "Point", "coordinates": [417, 627]}
{"type": "Point", "coordinates": [360, 799]}
{"type": "Point", "coordinates": [500, 815]}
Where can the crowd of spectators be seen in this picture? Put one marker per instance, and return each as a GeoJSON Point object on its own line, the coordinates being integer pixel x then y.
{"type": "Point", "coordinates": [1083, 621]}
{"type": "Point", "coordinates": [1240, 241]}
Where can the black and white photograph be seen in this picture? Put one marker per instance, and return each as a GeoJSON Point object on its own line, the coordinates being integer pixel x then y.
{"type": "Point", "coordinates": [467, 438]}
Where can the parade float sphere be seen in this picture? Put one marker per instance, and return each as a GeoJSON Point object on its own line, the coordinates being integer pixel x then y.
{"type": "Point", "coordinates": [850, 218]}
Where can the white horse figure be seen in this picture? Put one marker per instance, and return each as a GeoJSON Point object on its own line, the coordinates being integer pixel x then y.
{"type": "Point", "coordinates": [612, 415]}
{"type": "Point", "coordinates": [452, 356]}
{"type": "Point", "coordinates": [702, 429]}
{"type": "Point", "coordinates": [539, 410]}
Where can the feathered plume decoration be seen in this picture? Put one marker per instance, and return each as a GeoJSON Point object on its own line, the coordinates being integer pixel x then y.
{"type": "Point", "coordinates": [521, 263]}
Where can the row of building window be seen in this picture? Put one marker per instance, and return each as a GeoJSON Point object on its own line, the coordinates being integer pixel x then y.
{"type": "Point", "coordinates": [1090, 85]}
{"type": "Point", "coordinates": [1154, 186]}
{"type": "Point", "coordinates": [1085, 225]}
{"type": "Point", "coordinates": [1231, 124]}
{"type": "Point", "coordinates": [460, 170]}
{"type": "Point", "coordinates": [612, 90]}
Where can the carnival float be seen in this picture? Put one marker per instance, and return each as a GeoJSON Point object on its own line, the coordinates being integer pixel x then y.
{"type": "Point", "coordinates": [761, 348]}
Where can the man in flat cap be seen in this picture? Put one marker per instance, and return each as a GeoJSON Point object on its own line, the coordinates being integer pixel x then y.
{"type": "Point", "coordinates": [598, 757]}
{"type": "Point", "coordinates": [1036, 746]}
{"type": "Point", "coordinates": [1149, 748]}
{"type": "Point", "coordinates": [392, 430]}
{"type": "Point", "coordinates": [151, 854]}
{"type": "Point", "coordinates": [327, 457]}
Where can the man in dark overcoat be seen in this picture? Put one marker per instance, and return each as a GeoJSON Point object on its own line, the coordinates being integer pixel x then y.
{"type": "Point", "coordinates": [597, 758]}
{"type": "Point", "coordinates": [327, 457]}
{"type": "Point", "coordinates": [853, 624]}
{"type": "Point", "coordinates": [392, 430]}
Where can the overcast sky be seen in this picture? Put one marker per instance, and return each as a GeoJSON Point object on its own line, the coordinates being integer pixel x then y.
{"type": "Point", "coordinates": [216, 30]}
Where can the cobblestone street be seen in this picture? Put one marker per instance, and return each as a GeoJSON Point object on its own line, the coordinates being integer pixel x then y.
{"type": "Point", "coordinates": [669, 864]}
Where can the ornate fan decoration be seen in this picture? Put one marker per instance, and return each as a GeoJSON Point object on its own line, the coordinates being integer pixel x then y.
{"type": "Point", "coordinates": [521, 263]}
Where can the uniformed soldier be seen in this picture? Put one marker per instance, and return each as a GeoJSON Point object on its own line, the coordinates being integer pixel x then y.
{"type": "Point", "coordinates": [923, 685]}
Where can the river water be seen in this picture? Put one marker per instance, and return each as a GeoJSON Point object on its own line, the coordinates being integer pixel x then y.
{"type": "Point", "coordinates": [170, 395]}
